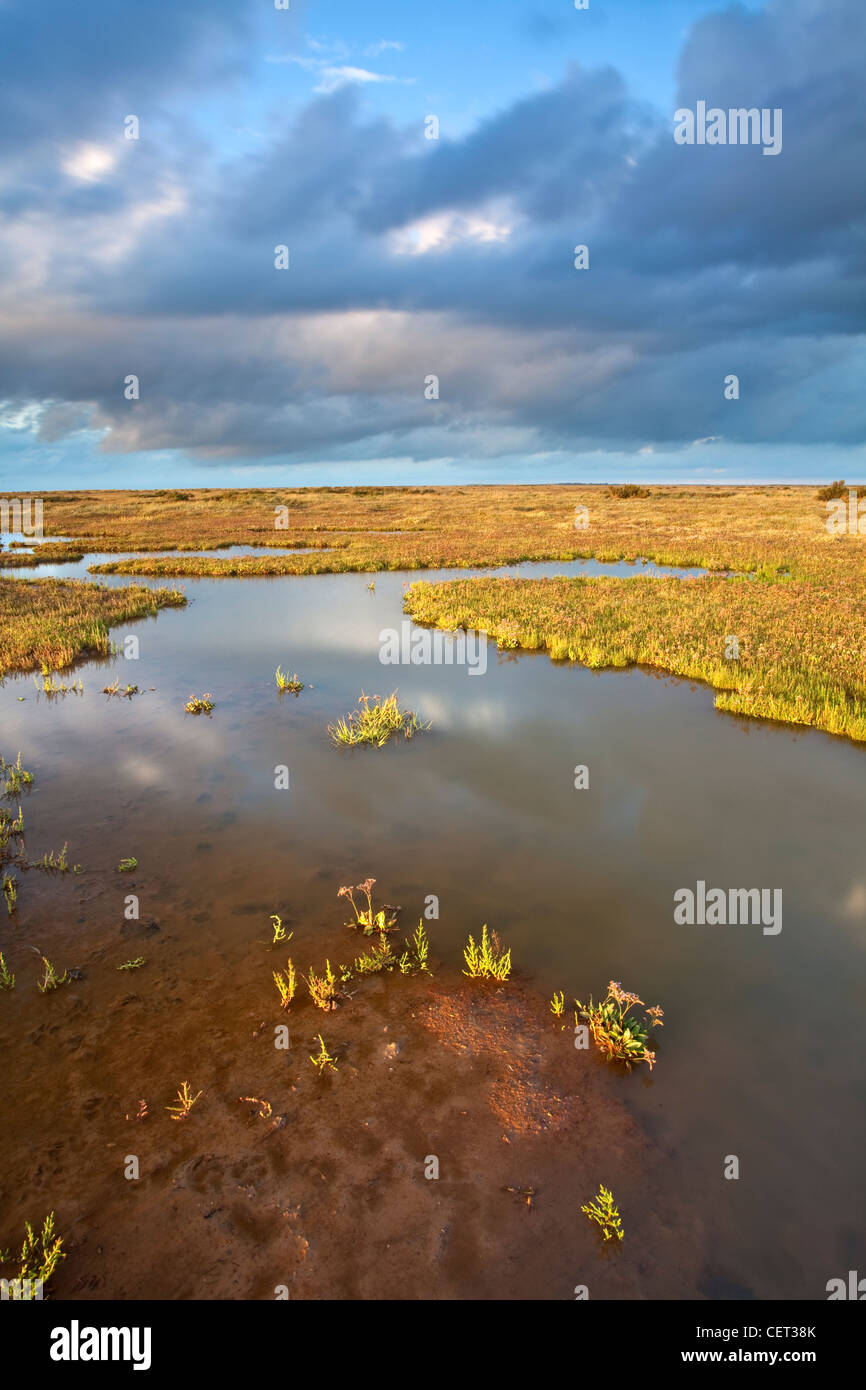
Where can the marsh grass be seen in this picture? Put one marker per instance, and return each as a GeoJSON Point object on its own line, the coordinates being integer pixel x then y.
{"type": "Point", "coordinates": [604, 1212]}
{"type": "Point", "coordinates": [125, 694]}
{"type": "Point", "coordinates": [323, 1057]}
{"type": "Point", "coordinates": [50, 978]}
{"type": "Point", "coordinates": [414, 960]}
{"type": "Point", "coordinates": [52, 622]}
{"type": "Point", "coordinates": [126, 866]}
{"type": "Point", "coordinates": [488, 961]}
{"type": "Point", "coordinates": [51, 685]}
{"type": "Point", "coordinates": [199, 704]}
{"type": "Point", "coordinates": [375, 721]}
{"type": "Point", "coordinates": [40, 1256]}
{"type": "Point", "coordinates": [185, 1101]}
{"type": "Point", "coordinates": [9, 886]}
{"type": "Point", "coordinates": [15, 777]}
{"type": "Point", "coordinates": [286, 984]}
{"type": "Point", "coordinates": [133, 964]}
{"type": "Point", "coordinates": [323, 988]}
{"type": "Point", "coordinates": [7, 979]}
{"type": "Point", "coordinates": [288, 683]}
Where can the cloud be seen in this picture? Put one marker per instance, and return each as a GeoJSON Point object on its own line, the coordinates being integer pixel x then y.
{"type": "Point", "coordinates": [412, 257]}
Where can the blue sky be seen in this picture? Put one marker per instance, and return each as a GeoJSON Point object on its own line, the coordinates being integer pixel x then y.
{"type": "Point", "coordinates": [413, 258]}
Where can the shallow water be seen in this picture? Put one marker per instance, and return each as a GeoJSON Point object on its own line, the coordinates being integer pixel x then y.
{"type": "Point", "coordinates": [760, 1055]}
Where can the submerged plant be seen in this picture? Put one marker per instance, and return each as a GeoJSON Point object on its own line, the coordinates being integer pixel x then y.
{"type": "Point", "coordinates": [367, 918]}
{"type": "Point", "coordinates": [52, 686]}
{"type": "Point", "coordinates": [10, 891]}
{"type": "Point", "coordinates": [7, 980]}
{"type": "Point", "coordinates": [115, 689]}
{"type": "Point", "coordinates": [40, 1256]}
{"type": "Point", "coordinates": [291, 683]}
{"type": "Point", "coordinates": [199, 704]}
{"type": "Point", "coordinates": [126, 866]}
{"type": "Point", "coordinates": [323, 988]}
{"type": "Point", "coordinates": [132, 964]}
{"type": "Point", "coordinates": [186, 1100]}
{"type": "Point", "coordinates": [604, 1212]}
{"type": "Point", "coordinates": [265, 1107]}
{"type": "Point", "coordinates": [616, 1031]}
{"type": "Point", "coordinates": [52, 863]}
{"type": "Point", "coordinates": [323, 1058]}
{"type": "Point", "coordinates": [374, 721]}
{"type": "Point", "coordinates": [487, 961]}
{"type": "Point", "coordinates": [285, 983]}
{"type": "Point", "coordinates": [50, 978]}
{"type": "Point", "coordinates": [280, 933]}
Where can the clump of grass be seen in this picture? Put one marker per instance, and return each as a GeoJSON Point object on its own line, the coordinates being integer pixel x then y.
{"type": "Point", "coordinates": [40, 1256]}
{"type": "Point", "coordinates": [186, 1100]}
{"type": "Point", "coordinates": [414, 958]}
{"type": "Point", "coordinates": [381, 957]}
{"type": "Point", "coordinates": [323, 1058]}
{"type": "Point", "coordinates": [618, 1032]}
{"type": "Point", "coordinates": [126, 866]}
{"type": "Point", "coordinates": [9, 887]}
{"type": "Point", "coordinates": [604, 1212]}
{"type": "Point", "coordinates": [16, 777]}
{"type": "Point", "coordinates": [51, 862]}
{"type": "Point", "coordinates": [52, 686]}
{"type": "Point", "coordinates": [375, 721]}
{"type": "Point", "coordinates": [487, 961]}
{"type": "Point", "coordinates": [7, 979]}
{"type": "Point", "coordinates": [291, 683]}
{"type": "Point", "coordinates": [133, 964]}
{"type": "Point", "coordinates": [367, 918]}
{"type": "Point", "coordinates": [286, 984]}
{"type": "Point", "coordinates": [50, 978]}
{"type": "Point", "coordinates": [557, 1004]}
{"type": "Point", "coordinates": [323, 988]}
{"type": "Point", "coordinates": [199, 704]}
{"type": "Point", "coordinates": [629, 490]}
{"type": "Point", "coordinates": [125, 694]}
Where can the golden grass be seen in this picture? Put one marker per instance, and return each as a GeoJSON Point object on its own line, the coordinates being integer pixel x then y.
{"type": "Point", "coordinates": [52, 622]}
{"type": "Point", "coordinates": [801, 654]}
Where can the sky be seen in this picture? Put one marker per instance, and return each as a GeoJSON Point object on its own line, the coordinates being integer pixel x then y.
{"type": "Point", "coordinates": [431, 325]}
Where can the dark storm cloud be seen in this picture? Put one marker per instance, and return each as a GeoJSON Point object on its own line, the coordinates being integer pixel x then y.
{"type": "Point", "coordinates": [451, 257]}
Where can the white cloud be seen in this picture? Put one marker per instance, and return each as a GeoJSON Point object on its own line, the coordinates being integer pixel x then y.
{"type": "Point", "coordinates": [89, 163]}
{"type": "Point", "coordinates": [332, 78]}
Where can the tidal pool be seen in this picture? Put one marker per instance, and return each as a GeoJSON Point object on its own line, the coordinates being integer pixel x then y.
{"type": "Point", "coordinates": [759, 1057]}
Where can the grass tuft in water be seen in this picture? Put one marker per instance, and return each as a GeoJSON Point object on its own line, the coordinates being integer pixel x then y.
{"type": "Point", "coordinates": [604, 1212]}
{"type": "Point", "coordinates": [199, 704]}
{"type": "Point", "coordinates": [40, 1256]}
{"type": "Point", "coordinates": [290, 683]}
{"type": "Point", "coordinates": [323, 988]}
{"type": "Point", "coordinates": [126, 866]}
{"type": "Point", "coordinates": [375, 721]}
{"type": "Point", "coordinates": [7, 979]}
{"type": "Point", "coordinates": [50, 978]}
{"type": "Point", "coordinates": [286, 984]}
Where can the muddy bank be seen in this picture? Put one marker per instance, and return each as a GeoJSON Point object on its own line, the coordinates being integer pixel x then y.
{"type": "Point", "coordinates": [327, 1195]}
